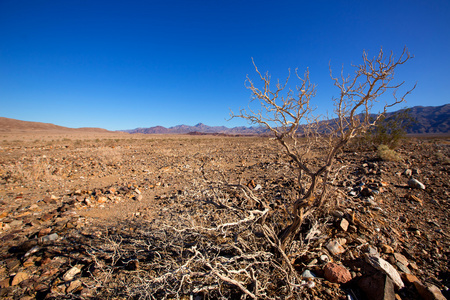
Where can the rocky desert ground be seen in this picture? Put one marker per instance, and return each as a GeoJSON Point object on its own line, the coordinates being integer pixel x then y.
{"type": "Point", "coordinates": [119, 216]}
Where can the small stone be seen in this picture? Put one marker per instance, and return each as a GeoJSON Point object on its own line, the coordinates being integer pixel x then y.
{"type": "Point", "coordinates": [416, 184]}
{"type": "Point", "coordinates": [27, 284]}
{"type": "Point", "coordinates": [49, 238]}
{"type": "Point", "coordinates": [32, 251]}
{"type": "Point", "coordinates": [44, 232]}
{"type": "Point", "coordinates": [387, 249]}
{"type": "Point", "coordinates": [407, 172]}
{"type": "Point", "coordinates": [369, 202]}
{"type": "Point", "coordinates": [353, 194]}
{"type": "Point", "coordinates": [87, 293]}
{"type": "Point", "coordinates": [74, 285]}
{"type": "Point", "coordinates": [335, 247]}
{"type": "Point", "coordinates": [401, 258]}
{"type": "Point", "coordinates": [413, 266]}
{"type": "Point", "coordinates": [29, 262]}
{"type": "Point", "coordinates": [12, 264]}
{"type": "Point", "coordinates": [337, 273]}
{"type": "Point", "coordinates": [324, 258]}
{"type": "Point", "coordinates": [337, 214]}
{"type": "Point", "coordinates": [16, 223]}
{"type": "Point", "coordinates": [20, 276]}
{"type": "Point", "coordinates": [48, 217]}
{"type": "Point", "coordinates": [402, 267]}
{"type": "Point", "coordinates": [371, 250]}
{"type": "Point", "coordinates": [5, 226]}
{"type": "Point", "coordinates": [5, 283]}
{"type": "Point", "coordinates": [344, 224]}
{"type": "Point", "coordinates": [409, 278]}
{"type": "Point", "coordinates": [40, 287]}
{"type": "Point", "coordinates": [102, 199]}
{"type": "Point", "coordinates": [352, 228]}
{"type": "Point", "coordinates": [308, 274]}
{"type": "Point", "coordinates": [69, 275]}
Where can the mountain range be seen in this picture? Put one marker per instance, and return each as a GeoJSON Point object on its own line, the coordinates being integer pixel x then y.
{"type": "Point", "coordinates": [426, 120]}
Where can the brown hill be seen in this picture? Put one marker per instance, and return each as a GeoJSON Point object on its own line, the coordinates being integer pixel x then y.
{"type": "Point", "coordinates": [13, 125]}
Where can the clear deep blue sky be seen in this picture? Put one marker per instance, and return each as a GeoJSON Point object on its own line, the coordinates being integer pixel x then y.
{"type": "Point", "coordinates": [127, 64]}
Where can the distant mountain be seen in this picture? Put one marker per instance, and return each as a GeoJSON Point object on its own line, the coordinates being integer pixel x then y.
{"type": "Point", "coordinates": [428, 120]}
{"type": "Point", "coordinates": [200, 128]}
{"type": "Point", "coordinates": [13, 125]}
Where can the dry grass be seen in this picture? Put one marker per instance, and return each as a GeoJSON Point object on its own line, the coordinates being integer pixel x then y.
{"type": "Point", "coordinates": [387, 154]}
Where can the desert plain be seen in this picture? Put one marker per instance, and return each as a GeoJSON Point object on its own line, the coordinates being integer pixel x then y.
{"type": "Point", "coordinates": [100, 215]}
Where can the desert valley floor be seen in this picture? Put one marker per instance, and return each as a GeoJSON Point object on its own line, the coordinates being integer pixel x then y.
{"type": "Point", "coordinates": [118, 216]}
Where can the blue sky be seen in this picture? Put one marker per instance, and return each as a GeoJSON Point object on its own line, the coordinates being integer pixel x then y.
{"type": "Point", "coordinates": [127, 64]}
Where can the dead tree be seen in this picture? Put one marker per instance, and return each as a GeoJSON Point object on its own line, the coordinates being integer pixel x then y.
{"type": "Point", "coordinates": [289, 115]}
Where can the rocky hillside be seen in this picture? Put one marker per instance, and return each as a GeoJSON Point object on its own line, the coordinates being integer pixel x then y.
{"type": "Point", "coordinates": [430, 119]}
{"type": "Point", "coordinates": [427, 120]}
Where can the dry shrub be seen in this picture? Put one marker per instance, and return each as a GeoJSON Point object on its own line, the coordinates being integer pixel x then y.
{"type": "Point", "coordinates": [29, 171]}
{"type": "Point", "coordinates": [108, 155]}
{"type": "Point", "coordinates": [387, 154]}
{"type": "Point", "coordinates": [217, 242]}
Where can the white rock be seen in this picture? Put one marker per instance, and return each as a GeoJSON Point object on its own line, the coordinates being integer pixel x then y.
{"type": "Point", "coordinates": [344, 224]}
{"type": "Point", "coordinates": [49, 238]}
{"type": "Point", "coordinates": [32, 250]}
{"type": "Point", "coordinates": [382, 265]}
{"type": "Point", "coordinates": [416, 184]}
{"type": "Point", "coordinates": [335, 247]}
{"type": "Point", "coordinates": [324, 258]}
{"type": "Point", "coordinates": [71, 273]}
{"type": "Point", "coordinates": [308, 274]}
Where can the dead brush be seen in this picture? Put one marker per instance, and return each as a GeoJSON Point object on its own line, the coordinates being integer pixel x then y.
{"type": "Point", "coordinates": [108, 155]}
{"type": "Point", "coordinates": [28, 171]}
{"type": "Point", "coordinates": [232, 252]}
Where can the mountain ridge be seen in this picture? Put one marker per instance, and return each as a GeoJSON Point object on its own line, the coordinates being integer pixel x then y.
{"type": "Point", "coordinates": [428, 120]}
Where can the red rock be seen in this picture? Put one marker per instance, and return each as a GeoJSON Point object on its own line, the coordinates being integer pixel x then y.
{"type": "Point", "coordinates": [337, 273]}
{"type": "Point", "coordinates": [409, 278]}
